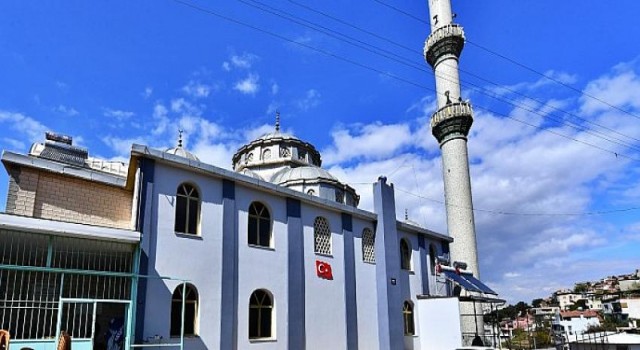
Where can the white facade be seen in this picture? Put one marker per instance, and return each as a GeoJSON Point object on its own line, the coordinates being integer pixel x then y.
{"type": "Point", "coordinates": [361, 307]}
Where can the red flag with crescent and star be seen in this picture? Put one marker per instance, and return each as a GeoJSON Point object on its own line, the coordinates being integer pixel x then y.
{"type": "Point", "coordinates": [323, 270]}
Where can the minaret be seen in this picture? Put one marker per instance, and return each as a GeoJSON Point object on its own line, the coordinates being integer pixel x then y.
{"type": "Point", "coordinates": [450, 125]}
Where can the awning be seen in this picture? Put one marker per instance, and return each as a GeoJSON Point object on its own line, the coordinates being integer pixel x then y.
{"type": "Point", "coordinates": [468, 282]}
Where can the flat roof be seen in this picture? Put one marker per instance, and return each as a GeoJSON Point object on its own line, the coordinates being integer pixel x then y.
{"type": "Point", "coordinates": [68, 229]}
{"type": "Point", "coordinates": [62, 168]}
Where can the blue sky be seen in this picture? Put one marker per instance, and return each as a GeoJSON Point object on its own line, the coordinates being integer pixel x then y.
{"type": "Point", "coordinates": [114, 73]}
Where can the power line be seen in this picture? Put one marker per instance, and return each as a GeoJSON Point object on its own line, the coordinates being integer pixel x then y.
{"type": "Point", "coordinates": [353, 26]}
{"type": "Point", "coordinates": [502, 212]}
{"type": "Point", "coordinates": [378, 71]}
{"type": "Point", "coordinates": [582, 92]}
{"type": "Point", "coordinates": [407, 62]}
{"type": "Point", "coordinates": [328, 53]}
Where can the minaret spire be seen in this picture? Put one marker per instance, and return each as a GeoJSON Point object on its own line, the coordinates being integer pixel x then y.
{"type": "Point", "coordinates": [277, 121]}
{"type": "Point", "coordinates": [450, 125]}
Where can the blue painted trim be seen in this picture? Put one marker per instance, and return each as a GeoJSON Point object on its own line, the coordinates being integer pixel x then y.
{"type": "Point", "coordinates": [296, 280]}
{"type": "Point", "coordinates": [424, 267]}
{"type": "Point", "coordinates": [228, 189]}
{"type": "Point", "coordinates": [147, 174]}
{"type": "Point", "coordinates": [347, 222]}
{"type": "Point", "coordinates": [229, 281]}
{"type": "Point", "coordinates": [445, 247]}
{"type": "Point", "coordinates": [293, 208]}
{"type": "Point", "coordinates": [350, 282]}
{"type": "Point", "coordinates": [390, 324]}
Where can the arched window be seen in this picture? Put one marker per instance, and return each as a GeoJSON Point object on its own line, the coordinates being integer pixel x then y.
{"type": "Point", "coordinates": [259, 225]}
{"type": "Point", "coordinates": [260, 314]}
{"type": "Point", "coordinates": [432, 259]}
{"type": "Point", "coordinates": [190, 310]}
{"type": "Point", "coordinates": [322, 236]}
{"type": "Point", "coordinates": [368, 246]}
{"type": "Point", "coordinates": [407, 315]}
{"type": "Point", "coordinates": [405, 255]}
{"type": "Point", "coordinates": [187, 209]}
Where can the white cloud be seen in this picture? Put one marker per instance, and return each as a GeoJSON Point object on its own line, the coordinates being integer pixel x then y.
{"type": "Point", "coordinates": [310, 100]}
{"type": "Point", "coordinates": [244, 61]}
{"type": "Point", "coordinates": [620, 88]}
{"type": "Point", "coordinates": [117, 114]}
{"type": "Point", "coordinates": [24, 125]}
{"type": "Point", "coordinates": [13, 143]}
{"type": "Point", "coordinates": [148, 91]}
{"type": "Point", "coordinates": [275, 88]}
{"type": "Point", "coordinates": [249, 85]}
{"type": "Point", "coordinates": [372, 141]}
{"type": "Point", "coordinates": [527, 184]}
{"type": "Point", "coordinates": [68, 111]}
{"type": "Point", "coordinates": [196, 89]}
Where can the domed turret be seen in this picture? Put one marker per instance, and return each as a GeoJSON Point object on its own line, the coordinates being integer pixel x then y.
{"type": "Point", "coordinates": [286, 160]}
{"type": "Point", "coordinates": [181, 151]}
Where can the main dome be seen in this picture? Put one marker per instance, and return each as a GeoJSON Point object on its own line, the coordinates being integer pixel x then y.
{"type": "Point", "coordinates": [285, 160]}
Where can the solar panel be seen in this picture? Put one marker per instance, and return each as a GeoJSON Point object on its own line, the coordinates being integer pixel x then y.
{"type": "Point", "coordinates": [483, 287]}
{"type": "Point", "coordinates": [461, 281]}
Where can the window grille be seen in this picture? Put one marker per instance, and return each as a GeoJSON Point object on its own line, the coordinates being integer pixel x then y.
{"type": "Point", "coordinates": [33, 284]}
{"type": "Point", "coordinates": [260, 314]}
{"type": "Point", "coordinates": [322, 236]}
{"type": "Point", "coordinates": [259, 225]}
{"type": "Point", "coordinates": [368, 246]}
{"type": "Point", "coordinates": [187, 209]}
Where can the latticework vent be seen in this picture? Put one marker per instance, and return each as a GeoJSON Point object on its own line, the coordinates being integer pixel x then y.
{"type": "Point", "coordinates": [368, 246]}
{"type": "Point", "coordinates": [322, 236]}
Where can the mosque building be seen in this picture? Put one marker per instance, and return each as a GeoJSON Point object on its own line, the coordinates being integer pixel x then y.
{"type": "Point", "coordinates": [170, 250]}
{"type": "Point", "coordinates": [166, 251]}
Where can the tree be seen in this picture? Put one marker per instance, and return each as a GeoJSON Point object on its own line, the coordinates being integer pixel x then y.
{"type": "Point", "coordinates": [581, 287]}
{"type": "Point", "coordinates": [537, 302]}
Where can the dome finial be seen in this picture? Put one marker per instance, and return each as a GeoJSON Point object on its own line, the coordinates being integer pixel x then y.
{"type": "Point", "coordinates": [277, 121]}
{"type": "Point", "coordinates": [406, 214]}
{"type": "Point", "coordinates": [180, 131]}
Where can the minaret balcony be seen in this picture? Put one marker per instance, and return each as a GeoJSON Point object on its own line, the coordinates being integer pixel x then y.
{"type": "Point", "coordinates": [452, 121]}
{"type": "Point", "coordinates": [446, 40]}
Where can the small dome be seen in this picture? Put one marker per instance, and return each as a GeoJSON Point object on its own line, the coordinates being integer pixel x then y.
{"type": "Point", "coordinates": [180, 151]}
{"type": "Point", "coordinates": [301, 173]}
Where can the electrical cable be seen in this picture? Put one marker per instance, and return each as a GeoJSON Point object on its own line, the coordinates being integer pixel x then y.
{"type": "Point", "coordinates": [311, 25]}
{"type": "Point", "coordinates": [512, 61]}
{"type": "Point", "coordinates": [381, 72]}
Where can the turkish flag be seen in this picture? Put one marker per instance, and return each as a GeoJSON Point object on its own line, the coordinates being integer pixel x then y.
{"type": "Point", "coordinates": [323, 270]}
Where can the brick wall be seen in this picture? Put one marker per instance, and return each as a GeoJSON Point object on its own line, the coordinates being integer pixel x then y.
{"type": "Point", "coordinates": [21, 194]}
{"type": "Point", "coordinates": [64, 198]}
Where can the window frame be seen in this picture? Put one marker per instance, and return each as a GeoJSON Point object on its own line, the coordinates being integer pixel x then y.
{"type": "Point", "coordinates": [258, 220]}
{"type": "Point", "coordinates": [261, 307]}
{"type": "Point", "coordinates": [408, 319]}
{"type": "Point", "coordinates": [433, 254]}
{"type": "Point", "coordinates": [406, 255]}
{"type": "Point", "coordinates": [189, 290]}
{"type": "Point", "coordinates": [188, 199]}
